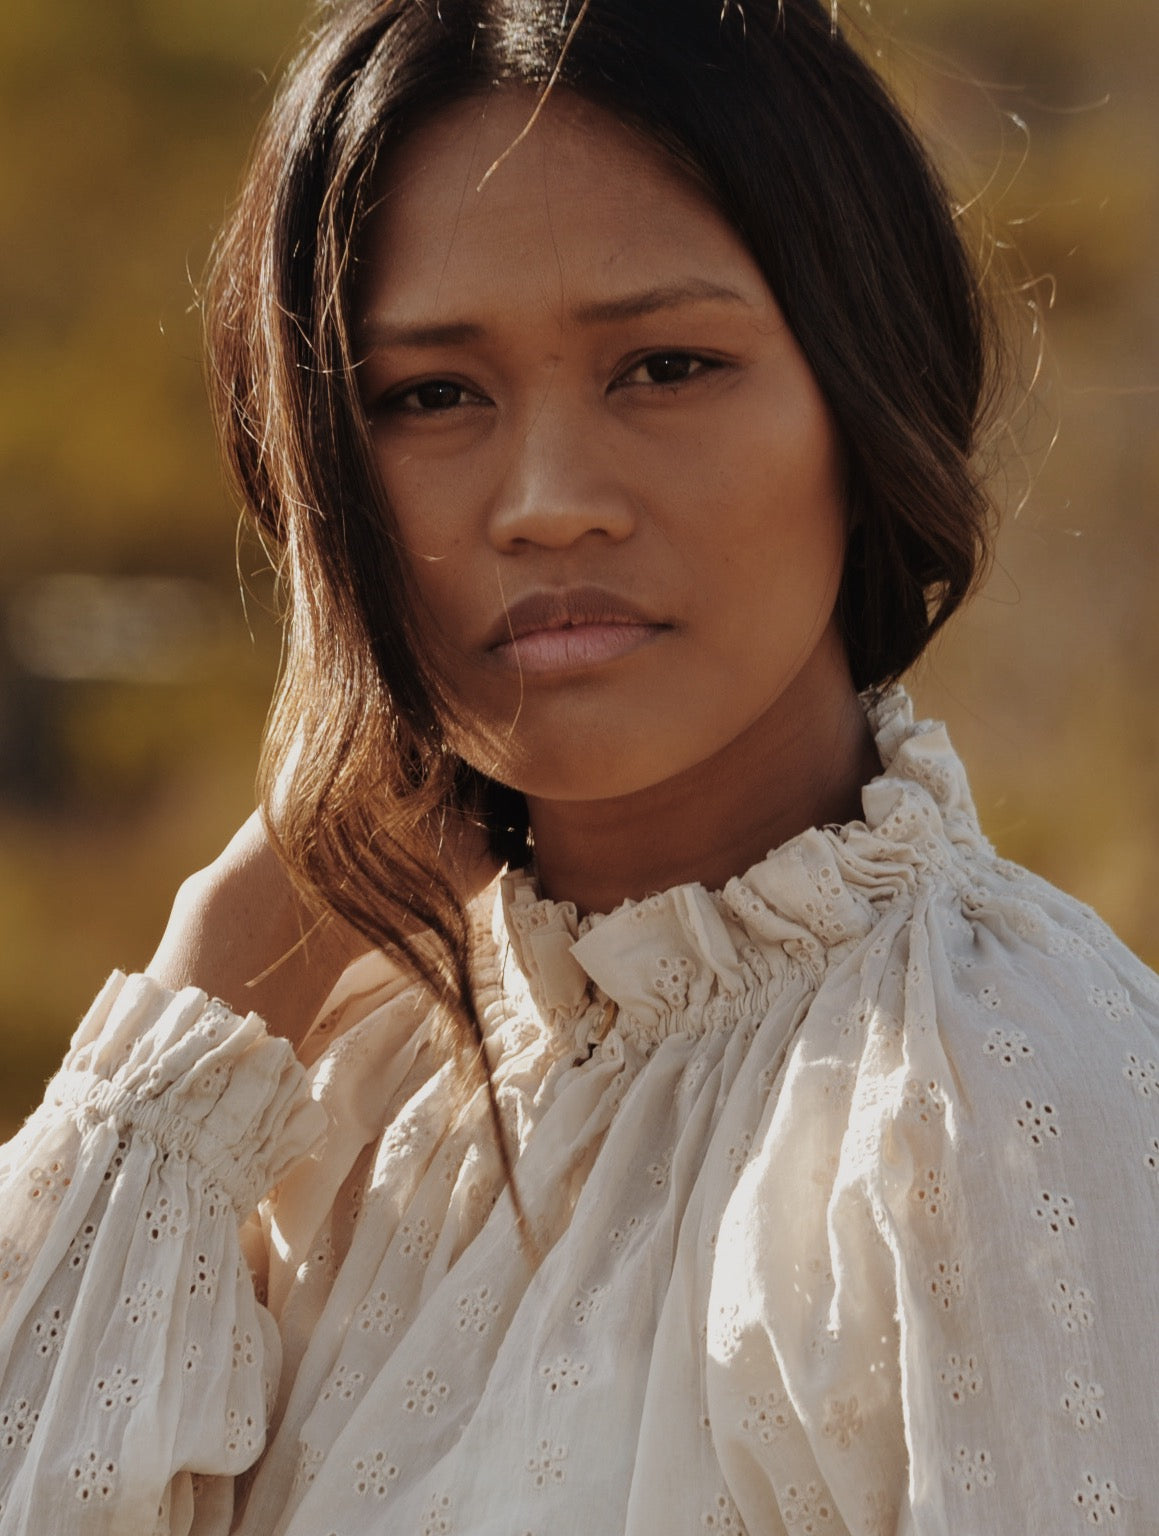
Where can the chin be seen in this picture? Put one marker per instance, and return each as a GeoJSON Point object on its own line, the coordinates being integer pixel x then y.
{"type": "Point", "coordinates": [555, 765]}
{"type": "Point", "coordinates": [588, 772]}
{"type": "Point", "coordinates": [578, 782]}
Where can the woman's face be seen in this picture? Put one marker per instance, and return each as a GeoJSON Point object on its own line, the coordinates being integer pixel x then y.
{"type": "Point", "coordinates": [610, 465]}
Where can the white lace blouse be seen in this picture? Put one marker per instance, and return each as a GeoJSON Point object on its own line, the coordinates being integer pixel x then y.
{"type": "Point", "coordinates": [846, 1180]}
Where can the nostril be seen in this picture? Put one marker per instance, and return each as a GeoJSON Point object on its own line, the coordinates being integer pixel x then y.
{"type": "Point", "coordinates": [560, 521]}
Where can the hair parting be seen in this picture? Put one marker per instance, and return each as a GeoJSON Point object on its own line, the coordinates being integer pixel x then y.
{"type": "Point", "coordinates": [542, 100]}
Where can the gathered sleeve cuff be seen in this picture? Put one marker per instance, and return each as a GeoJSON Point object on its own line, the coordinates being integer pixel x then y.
{"type": "Point", "coordinates": [133, 1351]}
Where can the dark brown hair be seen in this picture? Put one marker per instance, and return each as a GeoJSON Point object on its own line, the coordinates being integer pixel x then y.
{"type": "Point", "coordinates": [795, 140]}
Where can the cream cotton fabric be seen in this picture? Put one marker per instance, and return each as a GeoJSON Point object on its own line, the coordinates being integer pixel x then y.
{"type": "Point", "coordinates": [846, 1180]}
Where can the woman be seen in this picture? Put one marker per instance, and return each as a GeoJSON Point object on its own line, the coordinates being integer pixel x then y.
{"type": "Point", "coordinates": [608, 381]}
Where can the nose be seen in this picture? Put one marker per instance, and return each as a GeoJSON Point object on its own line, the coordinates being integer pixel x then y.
{"type": "Point", "coordinates": [559, 483]}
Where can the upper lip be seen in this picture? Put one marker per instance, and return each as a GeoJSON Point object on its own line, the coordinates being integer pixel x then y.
{"type": "Point", "coordinates": [565, 608]}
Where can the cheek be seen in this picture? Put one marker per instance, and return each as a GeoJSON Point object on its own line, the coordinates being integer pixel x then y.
{"type": "Point", "coordinates": [418, 502]}
{"type": "Point", "coordinates": [432, 525]}
{"type": "Point", "coordinates": [770, 516]}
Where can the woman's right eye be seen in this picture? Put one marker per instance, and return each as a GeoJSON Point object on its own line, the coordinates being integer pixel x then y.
{"type": "Point", "coordinates": [431, 397]}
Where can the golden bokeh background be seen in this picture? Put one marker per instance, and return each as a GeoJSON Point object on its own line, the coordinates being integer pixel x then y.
{"type": "Point", "coordinates": [134, 675]}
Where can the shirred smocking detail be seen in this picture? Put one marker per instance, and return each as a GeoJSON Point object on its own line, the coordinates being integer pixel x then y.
{"type": "Point", "coordinates": [692, 961]}
{"type": "Point", "coordinates": [97, 1103]}
{"type": "Point", "coordinates": [210, 1088]}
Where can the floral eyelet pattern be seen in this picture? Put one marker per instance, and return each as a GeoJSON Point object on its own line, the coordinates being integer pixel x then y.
{"type": "Point", "coordinates": [794, 1156]}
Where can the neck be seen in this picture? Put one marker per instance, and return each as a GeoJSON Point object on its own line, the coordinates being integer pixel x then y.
{"type": "Point", "coordinates": [802, 764]}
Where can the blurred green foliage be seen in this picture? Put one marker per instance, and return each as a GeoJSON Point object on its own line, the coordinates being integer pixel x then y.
{"type": "Point", "coordinates": [125, 127]}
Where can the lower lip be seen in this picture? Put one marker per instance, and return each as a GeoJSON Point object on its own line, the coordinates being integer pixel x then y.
{"type": "Point", "coordinates": [575, 649]}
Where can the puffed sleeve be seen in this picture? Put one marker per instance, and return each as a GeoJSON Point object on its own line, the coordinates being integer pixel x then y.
{"type": "Point", "coordinates": [937, 1277]}
{"type": "Point", "coordinates": [133, 1352]}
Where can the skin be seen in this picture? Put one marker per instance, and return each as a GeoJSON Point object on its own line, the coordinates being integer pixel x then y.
{"type": "Point", "coordinates": [577, 374]}
{"type": "Point", "coordinates": [574, 374]}
{"type": "Point", "coordinates": [240, 931]}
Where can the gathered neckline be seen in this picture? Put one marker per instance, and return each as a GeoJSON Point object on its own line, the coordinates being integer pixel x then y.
{"type": "Point", "coordinates": [689, 959]}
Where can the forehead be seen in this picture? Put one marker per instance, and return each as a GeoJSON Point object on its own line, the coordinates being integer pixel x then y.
{"type": "Point", "coordinates": [484, 201]}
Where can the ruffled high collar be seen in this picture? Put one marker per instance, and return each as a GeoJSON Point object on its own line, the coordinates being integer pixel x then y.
{"type": "Point", "coordinates": [690, 959]}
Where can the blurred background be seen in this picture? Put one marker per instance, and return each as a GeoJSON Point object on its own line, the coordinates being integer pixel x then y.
{"type": "Point", "coordinates": [137, 647]}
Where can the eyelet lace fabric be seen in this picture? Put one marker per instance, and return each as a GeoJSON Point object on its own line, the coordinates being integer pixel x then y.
{"type": "Point", "coordinates": [844, 1182]}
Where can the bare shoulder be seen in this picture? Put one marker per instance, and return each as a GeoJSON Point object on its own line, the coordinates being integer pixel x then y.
{"type": "Point", "coordinates": [240, 930]}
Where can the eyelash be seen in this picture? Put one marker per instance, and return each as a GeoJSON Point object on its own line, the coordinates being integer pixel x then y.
{"type": "Point", "coordinates": [701, 366]}
{"type": "Point", "coordinates": [395, 402]}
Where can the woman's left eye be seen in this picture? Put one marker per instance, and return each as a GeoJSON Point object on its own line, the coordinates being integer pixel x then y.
{"type": "Point", "coordinates": [667, 368]}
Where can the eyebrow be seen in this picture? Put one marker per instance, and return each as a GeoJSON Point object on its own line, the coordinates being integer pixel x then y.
{"type": "Point", "coordinates": [651, 301]}
{"type": "Point", "coordinates": [628, 306]}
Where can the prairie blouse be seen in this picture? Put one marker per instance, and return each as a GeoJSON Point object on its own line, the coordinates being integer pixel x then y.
{"type": "Point", "coordinates": [845, 1181]}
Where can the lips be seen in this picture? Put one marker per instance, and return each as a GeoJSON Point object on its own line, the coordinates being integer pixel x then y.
{"type": "Point", "coordinates": [569, 628]}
